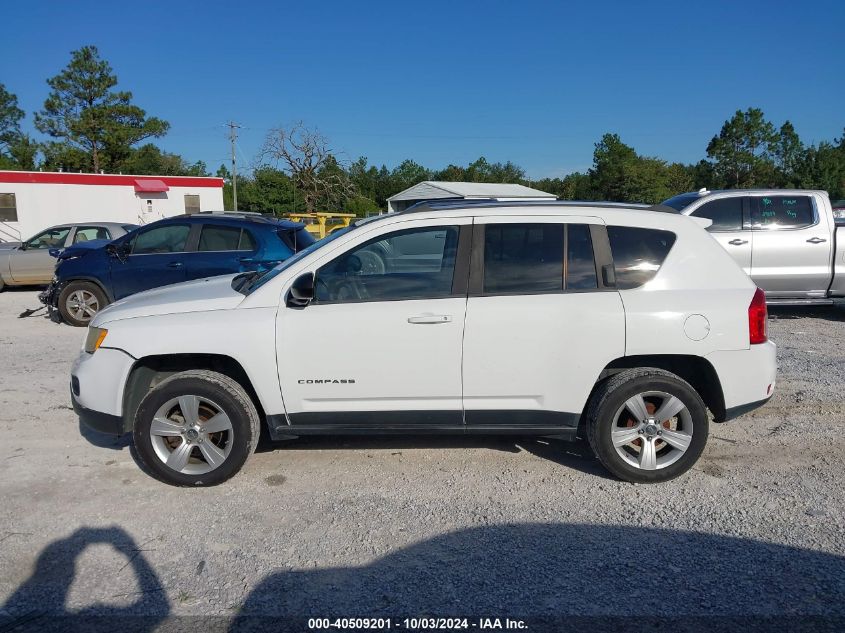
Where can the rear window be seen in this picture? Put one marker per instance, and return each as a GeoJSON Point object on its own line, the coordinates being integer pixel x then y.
{"type": "Point", "coordinates": [296, 239]}
{"type": "Point", "coordinates": [779, 212]}
{"type": "Point", "coordinates": [638, 253]}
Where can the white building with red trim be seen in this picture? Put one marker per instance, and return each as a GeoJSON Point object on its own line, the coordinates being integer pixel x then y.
{"type": "Point", "coordinates": [31, 201]}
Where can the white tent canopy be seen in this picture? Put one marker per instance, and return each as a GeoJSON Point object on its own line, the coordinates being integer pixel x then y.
{"type": "Point", "coordinates": [438, 190]}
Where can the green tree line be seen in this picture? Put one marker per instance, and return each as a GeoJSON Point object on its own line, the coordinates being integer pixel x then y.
{"type": "Point", "coordinates": [90, 125]}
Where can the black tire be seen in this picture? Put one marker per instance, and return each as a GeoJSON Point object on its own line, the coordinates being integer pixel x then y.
{"type": "Point", "coordinates": [232, 399]}
{"type": "Point", "coordinates": [84, 287]}
{"type": "Point", "coordinates": [2, 284]}
{"type": "Point", "coordinates": [612, 395]}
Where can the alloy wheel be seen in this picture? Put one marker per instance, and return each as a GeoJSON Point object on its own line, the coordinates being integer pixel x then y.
{"type": "Point", "coordinates": [652, 430]}
{"type": "Point", "coordinates": [191, 434]}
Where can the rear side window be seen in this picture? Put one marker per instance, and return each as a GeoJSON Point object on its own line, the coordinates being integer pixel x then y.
{"type": "Point", "coordinates": [536, 258]}
{"type": "Point", "coordinates": [779, 212]}
{"type": "Point", "coordinates": [580, 261]}
{"type": "Point", "coordinates": [523, 258]}
{"type": "Point", "coordinates": [224, 238]}
{"type": "Point", "coordinates": [638, 253]}
{"type": "Point", "coordinates": [726, 214]}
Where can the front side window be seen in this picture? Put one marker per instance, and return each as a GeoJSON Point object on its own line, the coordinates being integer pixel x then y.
{"type": "Point", "coordinates": [726, 214]}
{"type": "Point", "coordinates": [225, 238]}
{"type": "Point", "coordinates": [410, 264]}
{"type": "Point", "coordinates": [782, 212]}
{"type": "Point", "coordinates": [8, 208]}
{"type": "Point", "coordinates": [638, 253]}
{"type": "Point", "coordinates": [87, 233]}
{"type": "Point", "coordinates": [162, 239]}
{"type": "Point", "coordinates": [51, 238]}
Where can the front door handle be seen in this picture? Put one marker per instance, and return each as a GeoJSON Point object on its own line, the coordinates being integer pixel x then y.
{"type": "Point", "coordinates": [430, 318]}
{"type": "Point", "coordinates": [175, 265]}
{"type": "Point", "coordinates": [738, 242]}
{"type": "Point", "coordinates": [816, 240]}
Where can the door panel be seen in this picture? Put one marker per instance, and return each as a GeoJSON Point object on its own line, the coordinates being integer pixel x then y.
{"type": "Point", "coordinates": [731, 227]}
{"type": "Point", "coordinates": [371, 360]}
{"type": "Point", "coordinates": [156, 258]}
{"type": "Point", "coordinates": [380, 346]}
{"type": "Point", "coordinates": [528, 355]}
{"type": "Point", "coordinates": [792, 247]}
{"type": "Point", "coordinates": [531, 359]}
{"type": "Point", "coordinates": [35, 265]}
{"type": "Point", "coordinates": [739, 245]}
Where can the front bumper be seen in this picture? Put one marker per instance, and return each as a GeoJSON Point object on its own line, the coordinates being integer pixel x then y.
{"type": "Point", "coordinates": [50, 295]}
{"type": "Point", "coordinates": [97, 383]}
{"type": "Point", "coordinates": [97, 421]}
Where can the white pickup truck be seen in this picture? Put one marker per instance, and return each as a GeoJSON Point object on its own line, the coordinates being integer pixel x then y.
{"type": "Point", "coordinates": [791, 242]}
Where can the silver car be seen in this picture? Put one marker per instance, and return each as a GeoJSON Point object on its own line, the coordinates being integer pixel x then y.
{"type": "Point", "coordinates": [31, 264]}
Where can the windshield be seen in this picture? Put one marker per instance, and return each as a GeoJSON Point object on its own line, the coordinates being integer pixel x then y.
{"type": "Point", "coordinates": [681, 201]}
{"type": "Point", "coordinates": [260, 279]}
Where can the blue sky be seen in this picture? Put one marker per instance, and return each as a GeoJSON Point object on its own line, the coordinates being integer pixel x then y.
{"type": "Point", "coordinates": [445, 82]}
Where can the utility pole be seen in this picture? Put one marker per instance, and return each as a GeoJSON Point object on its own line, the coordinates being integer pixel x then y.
{"type": "Point", "coordinates": [233, 136]}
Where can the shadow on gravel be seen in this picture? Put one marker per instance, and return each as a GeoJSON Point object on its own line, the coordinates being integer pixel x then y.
{"type": "Point", "coordinates": [576, 455]}
{"type": "Point", "coordinates": [827, 313]}
{"type": "Point", "coordinates": [39, 604]}
{"type": "Point", "coordinates": [571, 577]}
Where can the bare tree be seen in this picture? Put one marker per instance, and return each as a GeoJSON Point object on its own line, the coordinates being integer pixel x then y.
{"type": "Point", "coordinates": [305, 155]}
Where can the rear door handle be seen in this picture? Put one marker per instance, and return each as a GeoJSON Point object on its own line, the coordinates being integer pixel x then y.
{"type": "Point", "coordinates": [175, 265]}
{"type": "Point", "coordinates": [738, 242]}
{"type": "Point", "coordinates": [816, 240]}
{"type": "Point", "coordinates": [430, 318]}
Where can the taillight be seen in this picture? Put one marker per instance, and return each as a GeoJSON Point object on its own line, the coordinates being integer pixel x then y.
{"type": "Point", "coordinates": [758, 318]}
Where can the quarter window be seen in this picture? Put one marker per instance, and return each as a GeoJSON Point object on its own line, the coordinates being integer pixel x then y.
{"type": "Point", "coordinates": [726, 214]}
{"type": "Point", "coordinates": [162, 239]}
{"type": "Point", "coordinates": [777, 212]}
{"type": "Point", "coordinates": [8, 208]}
{"type": "Point", "coordinates": [410, 264]}
{"type": "Point", "coordinates": [638, 253]}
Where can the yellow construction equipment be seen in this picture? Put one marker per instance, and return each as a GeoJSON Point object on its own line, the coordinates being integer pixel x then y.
{"type": "Point", "coordinates": [322, 223]}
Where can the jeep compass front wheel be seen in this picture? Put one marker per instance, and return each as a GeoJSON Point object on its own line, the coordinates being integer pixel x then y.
{"type": "Point", "coordinates": [647, 425]}
{"type": "Point", "coordinates": [196, 428]}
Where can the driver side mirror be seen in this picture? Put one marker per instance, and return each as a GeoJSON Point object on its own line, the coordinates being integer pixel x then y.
{"type": "Point", "coordinates": [301, 293]}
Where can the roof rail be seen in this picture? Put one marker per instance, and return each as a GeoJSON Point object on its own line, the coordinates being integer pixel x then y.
{"type": "Point", "coordinates": [435, 205]}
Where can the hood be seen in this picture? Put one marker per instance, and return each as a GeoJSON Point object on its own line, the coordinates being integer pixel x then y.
{"type": "Point", "coordinates": [80, 248]}
{"type": "Point", "coordinates": [202, 295]}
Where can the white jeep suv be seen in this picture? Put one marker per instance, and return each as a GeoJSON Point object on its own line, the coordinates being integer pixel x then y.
{"type": "Point", "coordinates": [551, 319]}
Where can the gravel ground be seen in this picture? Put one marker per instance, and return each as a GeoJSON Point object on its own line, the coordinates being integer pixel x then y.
{"type": "Point", "coordinates": [424, 526]}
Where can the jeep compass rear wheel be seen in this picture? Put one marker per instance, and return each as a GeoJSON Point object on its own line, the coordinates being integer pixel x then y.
{"type": "Point", "coordinates": [196, 428]}
{"type": "Point", "coordinates": [647, 425]}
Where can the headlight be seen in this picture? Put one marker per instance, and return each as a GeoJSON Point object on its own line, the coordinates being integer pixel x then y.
{"type": "Point", "coordinates": [95, 338]}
